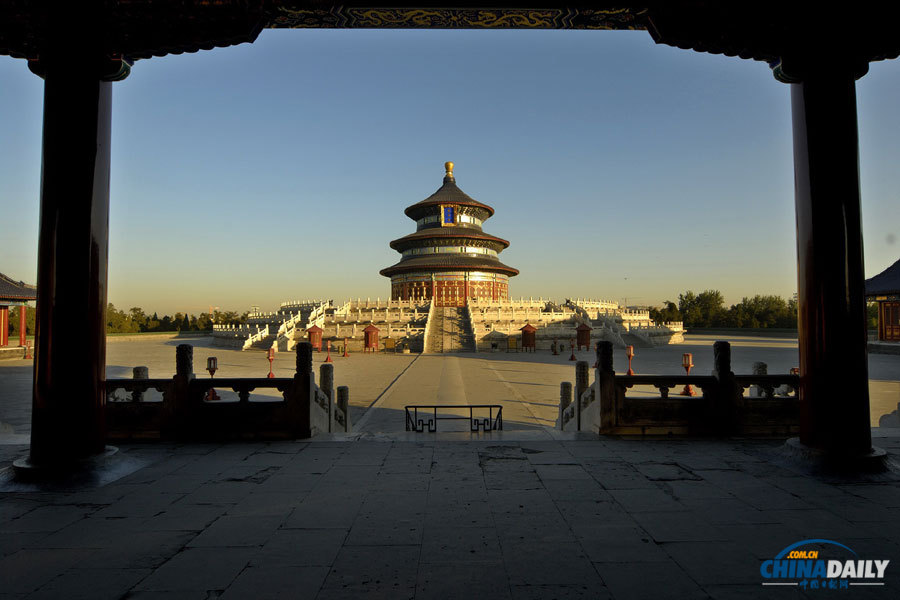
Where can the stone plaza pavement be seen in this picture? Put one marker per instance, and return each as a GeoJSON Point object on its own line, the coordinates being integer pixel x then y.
{"type": "Point", "coordinates": [528, 512]}
{"type": "Point", "coordinates": [503, 515]}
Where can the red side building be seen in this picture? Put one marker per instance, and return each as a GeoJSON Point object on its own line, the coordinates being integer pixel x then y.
{"type": "Point", "coordinates": [449, 257]}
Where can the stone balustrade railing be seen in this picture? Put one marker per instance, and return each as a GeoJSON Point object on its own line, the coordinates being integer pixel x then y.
{"type": "Point", "coordinates": [719, 408]}
{"type": "Point", "coordinates": [499, 315]}
{"type": "Point", "coordinates": [657, 329]}
{"type": "Point", "coordinates": [471, 318]}
{"type": "Point", "coordinates": [189, 412]}
{"type": "Point", "coordinates": [428, 322]}
{"type": "Point", "coordinates": [520, 303]}
{"type": "Point", "coordinates": [380, 304]}
{"type": "Point", "coordinates": [379, 315]}
{"type": "Point", "coordinates": [301, 304]}
{"type": "Point", "coordinates": [260, 334]}
{"type": "Point", "coordinates": [629, 314]}
{"type": "Point", "coordinates": [590, 304]}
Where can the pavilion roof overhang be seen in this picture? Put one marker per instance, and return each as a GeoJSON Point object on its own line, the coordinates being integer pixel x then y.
{"type": "Point", "coordinates": [15, 291]}
{"type": "Point", "coordinates": [448, 263]}
{"type": "Point", "coordinates": [886, 282]}
{"type": "Point", "coordinates": [766, 31]}
{"type": "Point", "coordinates": [418, 237]}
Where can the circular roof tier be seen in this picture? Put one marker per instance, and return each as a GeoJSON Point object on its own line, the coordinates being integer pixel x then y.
{"type": "Point", "coordinates": [421, 237]}
{"type": "Point", "coordinates": [448, 193]}
{"type": "Point", "coordinates": [449, 263]}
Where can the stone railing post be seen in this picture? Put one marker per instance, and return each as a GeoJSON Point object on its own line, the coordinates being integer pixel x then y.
{"type": "Point", "coordinates": [139, 373]}
{"type": "Point", "coordinates": [725, 403]}
{"type": "Point", "coordinates": [759, 368]}
{"type": "Point", "coordinates": [326, 384]}
{"type": "Point", "coordinates": [606, 385]}
{"type": "Point", "coordinates": [302, 393]}
{"type": "Point", "coordinates": [565, 399]}
{"type": "Point", "coordinates": [183, 412]}
{"type": "Point", "coordinates": [582, 381]}
{"type": "Point", "coordinates": [343, 402]}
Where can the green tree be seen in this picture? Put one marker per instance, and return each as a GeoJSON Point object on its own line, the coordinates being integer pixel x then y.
{"type": "Point", "coordinates": [669, 312]}
{"type": "Point", "coordinates": [872, 315]}
{"type": "Point", "coordinates": [14, 321]}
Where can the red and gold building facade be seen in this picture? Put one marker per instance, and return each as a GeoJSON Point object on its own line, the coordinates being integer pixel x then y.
{"type": "Point", "coordinates": [449, 257]}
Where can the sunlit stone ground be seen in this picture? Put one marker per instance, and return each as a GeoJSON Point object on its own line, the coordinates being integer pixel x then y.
{"type": "Point", "coordinates": [526, 513]}
{"type": "Point", "coordinates": [525, 384]}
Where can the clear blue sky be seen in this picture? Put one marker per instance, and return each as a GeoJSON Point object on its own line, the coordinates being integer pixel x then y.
{"type": "Point", "coordinates": [277, 170]}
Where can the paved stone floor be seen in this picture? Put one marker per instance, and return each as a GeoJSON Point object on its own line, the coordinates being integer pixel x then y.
{"type": "Point", "coordinates": [523, 513]}
{"type": "Point", "coordinates": [526, 385]}
{"type": "Point", "coordinates": [512, 515]}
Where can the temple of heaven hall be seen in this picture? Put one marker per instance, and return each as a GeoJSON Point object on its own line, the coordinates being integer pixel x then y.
{"type": "Point", "coordinates": [449, 258]}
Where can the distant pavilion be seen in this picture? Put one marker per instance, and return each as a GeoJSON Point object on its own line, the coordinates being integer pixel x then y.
{"type": "Point", "coordinates": [884, 289]}
{"type": "Point", "coordinates": [14, 293]}
{"type": "Point", "coordinates": [80, 48]}
{"type": "Point", "coordinates": [449, 257]}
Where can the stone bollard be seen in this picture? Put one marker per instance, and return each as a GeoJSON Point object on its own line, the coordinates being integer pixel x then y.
{"type": "Point", "coordinates": [721, 359]}
{"type": "Point", "coordinates": [723, 415]}
{"type": "Point", "coordinates": [184, 361]}
{"type": "Point", "coordinates": [582, 379]}
{"type": "Point", "coordinates": [565, 399]}
{"type": "Point", "coordinates": [343, 402]}
{"type": "Point", "coordinates": [139, 373]}
{"type": "Point", "coordinates": [326, 384]}
{"type": "Point", "coordinates": [759, 368]}
{"type": "Point", "coordinates": [605, 356]}
{"type": "Point", "coordinates": [184, 417]}
{"type": "Point", "coordinates": [304, 358]}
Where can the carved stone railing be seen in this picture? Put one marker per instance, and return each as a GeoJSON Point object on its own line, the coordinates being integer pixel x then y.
{"type": "Point", "coordinates": [720, 406]}
{"type": "Point", "coordinates": [426, 338]}
{"type": "Point", "coordinates": [188, 411]}
{"type": "Point", "coordinates": [261, 334]}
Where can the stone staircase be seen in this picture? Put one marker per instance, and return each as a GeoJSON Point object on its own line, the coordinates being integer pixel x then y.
{"type": "Point", "coordinates": [638, 342]}
{"type": "Point", "coordinates": [266, 342]}
{"type": "Point", "coordinates": [449, 330]}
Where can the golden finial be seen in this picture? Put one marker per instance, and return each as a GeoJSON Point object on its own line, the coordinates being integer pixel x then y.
{"type": "Point", "coordinates": [449, 167]}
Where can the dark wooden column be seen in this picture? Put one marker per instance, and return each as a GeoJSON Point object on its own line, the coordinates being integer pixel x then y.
{"type": "Point", "coordinates": [69, 370]}
{"type": "Point", "coordinates": [834, 393]}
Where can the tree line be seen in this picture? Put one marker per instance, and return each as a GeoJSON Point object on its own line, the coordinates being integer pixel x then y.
{"type": "Point", "coordinates": [135, 320]}
{"type": "Point", "coordinates": [707, 309]}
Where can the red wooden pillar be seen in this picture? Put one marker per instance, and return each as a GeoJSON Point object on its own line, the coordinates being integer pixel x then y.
{"type": "Point", "coordinates": [69, 395]}
{"type": "Point", "coordinates": [831, 290]}
{"type": "Point", "coordinates": [22, 325]}
{"type": "Point", "coordinates": [4, 326]}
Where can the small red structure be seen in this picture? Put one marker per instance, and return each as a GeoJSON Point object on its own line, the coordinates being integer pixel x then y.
{"type": "Point", "coordinates": [583, 336]}
{"type": "Point", "coordinates": [687, 361]}
{"type": "Point", "coordinates": [572, 343]}
{"type": "Point", "coordinates": [328, 358]}
{"type": "Point", "coordinates": [371, 341]}
{"type": "Point", "coordinates": [212, 365]}
{"type": "Point", "coordinates": [14, 293]}
{"type": "Point", "coordinates": [345, 354]}
{"type": "Point", "coordinates": [271, 357]}
{"type": "Point", "coordinates": [629, 352]}
{"type": "Point", "coordinates": [314, 334]}
{"type": "Point", "coordinates": [529, 340]}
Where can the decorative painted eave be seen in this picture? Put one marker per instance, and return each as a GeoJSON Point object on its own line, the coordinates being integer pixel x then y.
{"type": "Point", "coordinates": [449, 263]}
{"type": "Point", "coordinates": [17, 291]}
{"type": "Point", "coordinates": [768, 31]}
{"type": "Point", "coordinates": [886, 282]}
{"type": "Point", "coordinates": [421, 237]}
{"type": "Point", "coordinates": [135, 29]}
